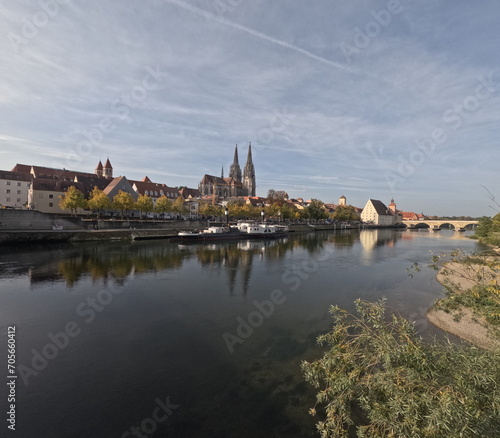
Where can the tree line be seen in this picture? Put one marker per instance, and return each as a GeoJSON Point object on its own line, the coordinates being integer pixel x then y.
{"type": "Point", "coordinates": [124, 202]}
{"type": "Point", "coordinates": [276, 206]}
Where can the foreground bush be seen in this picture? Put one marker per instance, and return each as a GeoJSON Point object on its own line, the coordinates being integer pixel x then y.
{"type": "Point", "coordinates": [378, 378]}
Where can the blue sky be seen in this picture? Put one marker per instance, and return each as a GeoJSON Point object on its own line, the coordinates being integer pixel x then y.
{"type": "Point", "coordinates": [367, 99]}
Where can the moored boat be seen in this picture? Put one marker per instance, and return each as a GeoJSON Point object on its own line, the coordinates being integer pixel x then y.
{"type": "Point", "coordinates": [243, 230]}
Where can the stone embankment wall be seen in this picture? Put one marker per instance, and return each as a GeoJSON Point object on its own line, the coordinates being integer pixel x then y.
{"type": "Point", "coordinates": [30, 220]}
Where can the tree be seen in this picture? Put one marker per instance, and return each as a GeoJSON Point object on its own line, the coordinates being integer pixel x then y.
{"type": "Point", "coordinates": [123, 201]}
{"type": "Point", "coordinates": [484, 227]}
{"type": "Point", "coordinates": [178, 206]}
{"type": "Point", "coordinates": [315, 210]}
{"type": "Point", "coordinates": [144, 204]}
{"type": "Point", "coordinates": [98, 200]}
{"type": "Point", "coordinates": [211, 210]}
{"type": "Point", "coordinates": [163, 205]}
{"type": "Point", "coordinates": [379, 379]}
{"type": "Point", "coordinates": [345, 213]}
{"type": "Point", "coordinates": [496, 223]}
{"type": "Point", "coordinates": [276, 196]}
{"type": "Point", "coordinates": [72, 200]}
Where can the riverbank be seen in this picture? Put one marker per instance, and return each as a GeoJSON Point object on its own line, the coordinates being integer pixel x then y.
{"type": "Point", "coordinates": [126, 230]}
{"type": "Point", "coordinates": [463, 321]}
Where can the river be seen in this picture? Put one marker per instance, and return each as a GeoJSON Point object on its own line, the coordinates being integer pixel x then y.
{"type": "Point", "coordinates": [157, 339]}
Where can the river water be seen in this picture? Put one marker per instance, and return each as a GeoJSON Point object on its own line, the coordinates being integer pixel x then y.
{"type": "Point", "coordinates": [200, 340]}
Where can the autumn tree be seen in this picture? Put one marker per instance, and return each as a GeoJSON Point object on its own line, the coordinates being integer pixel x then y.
{"type": "Point", "coordinates": [123, 201]}
{"type": "Point", "coordinates": [211, 210]}
{"type": "Point", "coordinates": [179, 207]}
{"type": "Point", "coordinates": [98, 200]}
{"type": "Point", "coordinates": [276, 197]}
{"type": "Point", "coordinates": [163, 205]}
{"type": "Point", "coordinates": [144, 204]}
{"type": "Point", "coordinates": [72, 200]}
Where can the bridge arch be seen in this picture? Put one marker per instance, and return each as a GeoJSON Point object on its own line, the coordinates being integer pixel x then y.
{"type": "Point", "coordinates": [438, 224]}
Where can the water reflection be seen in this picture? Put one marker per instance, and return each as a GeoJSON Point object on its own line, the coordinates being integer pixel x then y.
{"type": "Point", "coordinates": [163, 333]}
{"type": "Point", "coordinates": [118, 260]}
{"type": "Point", "coordinates": [104, 261]}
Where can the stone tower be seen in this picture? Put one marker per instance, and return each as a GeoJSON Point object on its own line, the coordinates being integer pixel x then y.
{"type": "Point", "coordinates": [249, 174]}
{"type": "Point", "coordinates": [235, 169]}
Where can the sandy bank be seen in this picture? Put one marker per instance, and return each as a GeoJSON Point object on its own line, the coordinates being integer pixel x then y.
{"type": "Point", "coordinates": [470, 327]}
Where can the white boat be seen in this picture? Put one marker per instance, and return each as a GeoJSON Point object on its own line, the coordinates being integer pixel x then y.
{"type": "Point", "coordinates": [243, 230]}
{"type": "Point", "coordinates": [252, 228]}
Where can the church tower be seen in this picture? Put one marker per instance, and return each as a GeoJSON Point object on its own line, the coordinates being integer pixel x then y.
{"type": "Point", "coordinates": [99, 170]}
{"type": "Point", "coordinates": [235, 169]}
{"type": "Point", "coordinates": [108, 170]}
{"type": "Point", "coordinates": [249, 174]}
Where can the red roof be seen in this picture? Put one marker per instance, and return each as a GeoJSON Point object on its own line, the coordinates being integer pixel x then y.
{"type": "Point", "coordinates": [108, 165]}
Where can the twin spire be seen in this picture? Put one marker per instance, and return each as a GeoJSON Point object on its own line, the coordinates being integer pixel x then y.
{"type": "Point", "coordinates": [248, 177]}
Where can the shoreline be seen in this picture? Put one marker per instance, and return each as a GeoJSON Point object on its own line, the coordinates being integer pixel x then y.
{"type": "Point", "coordinates": [470, 327]}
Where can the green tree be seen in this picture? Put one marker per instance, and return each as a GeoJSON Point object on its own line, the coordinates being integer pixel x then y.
{"type": "Point", "coordinates": [378, 378]}
{"type": "Point", "coordinates": [144, 204]}
{"type": "Point", "coordinates": [163, 205]}
{"type": "Point", "coordinates": [123, 201]}
{"type": "Point", "coordinates": [496, 223]}
{"type": "Point", "coordinates": [236, 208]}
{"type": "Point", "coordinates": [315, 210]}
{"type": "Point", "coordinates": [99, 201]}
{"type": "Point", "coordinates": [288, 212]}
{"type": "Point", "coordinates": [484, 227]}
{"type": "Point", "coordinates": [345, 213]}
{"type": "Point", "coordinates": [72, 200]}
{"type": "Point", "coordinates": [249, 211]}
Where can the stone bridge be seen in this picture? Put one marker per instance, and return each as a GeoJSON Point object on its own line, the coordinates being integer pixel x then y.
{"type": "Point", "coordinates": [437, 224]}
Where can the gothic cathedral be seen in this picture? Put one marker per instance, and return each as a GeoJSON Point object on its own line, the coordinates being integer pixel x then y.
{"type": "Point", "coordinates": [237, 184]}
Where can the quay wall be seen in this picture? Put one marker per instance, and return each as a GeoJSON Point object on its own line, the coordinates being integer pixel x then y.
{"type": "Point", "coordinates": [24, 220]}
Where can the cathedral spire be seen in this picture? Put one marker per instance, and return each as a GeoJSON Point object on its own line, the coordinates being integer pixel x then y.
{"type": "Point", "coordinates": [249, 173]}
{"type": "Point", "coordinates": [235, 169]}
{"type": "Point", "coordinates": [222, 173]}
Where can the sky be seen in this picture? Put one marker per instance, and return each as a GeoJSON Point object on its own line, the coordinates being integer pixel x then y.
{"type": "Point", "coordinates": [368, 99]}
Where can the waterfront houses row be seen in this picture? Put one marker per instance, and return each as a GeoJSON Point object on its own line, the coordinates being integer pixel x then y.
{"type": "Point", "coordinates": [41, 188]}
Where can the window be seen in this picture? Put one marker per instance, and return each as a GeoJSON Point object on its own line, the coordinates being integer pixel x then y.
{"type": "Point", "coordinates": [7, 199]}
{"type": "Point", "coordinates": [18, 200]}
{"type": "Point", "coordinates": [7, 191]}
{"type": "Point", "coordinates": [18, 184]}
{"type": "Point", "coordinates": [51, 204]}
{"type": "Point", "coordinates": [8, 183]}
{"type": "Point", "coordinates": [51, 196]}
{"type": "Point", "coordinates": [19, 192]}
{"type": "Point", "coordinates": [156, 193]}
{"type": "Point", "coordinates": [146, 192]}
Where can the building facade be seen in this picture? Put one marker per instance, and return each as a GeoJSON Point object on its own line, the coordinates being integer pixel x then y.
{"type": "Point", "coordinates": [14, 189]}
{"type": "Point", "coordinates": [377, 213]}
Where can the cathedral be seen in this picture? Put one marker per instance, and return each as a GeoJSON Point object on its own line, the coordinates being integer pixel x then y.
{"type": "Point", "coordinates": [237, 184]}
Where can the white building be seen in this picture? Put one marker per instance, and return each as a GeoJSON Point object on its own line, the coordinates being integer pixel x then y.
{"type": "Point", "coordinates": [14, 187]}
{"type": "Point", "coordinates": [376, 212]}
